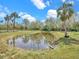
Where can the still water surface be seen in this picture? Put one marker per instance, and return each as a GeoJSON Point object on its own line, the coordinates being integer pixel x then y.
{"type": "Point", "coordinates": [34, 42]}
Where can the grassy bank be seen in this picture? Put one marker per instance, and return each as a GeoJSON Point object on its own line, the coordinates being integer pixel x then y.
{"type": "Point", "coordinates": [62, 51]}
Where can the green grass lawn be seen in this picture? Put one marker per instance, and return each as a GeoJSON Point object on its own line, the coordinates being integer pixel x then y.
{"type": "Point", "coordinates": [62, 51]}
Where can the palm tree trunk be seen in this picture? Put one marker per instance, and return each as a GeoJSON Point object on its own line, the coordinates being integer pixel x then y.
{"type": "Point", "coordinates": [65, 29]}
{"type": "Point", "coordinates": [65, 32]}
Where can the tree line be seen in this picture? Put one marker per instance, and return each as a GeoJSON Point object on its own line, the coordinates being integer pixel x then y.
{"type": "Point", "coordinates": [63, 22]}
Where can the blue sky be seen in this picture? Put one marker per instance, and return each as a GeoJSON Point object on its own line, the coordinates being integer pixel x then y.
{"type": "Point", "coordinates": [34, 9]}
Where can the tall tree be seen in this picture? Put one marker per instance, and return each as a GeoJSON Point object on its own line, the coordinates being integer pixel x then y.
{"type": "Point", "coordinates": [65, 12]}
{"type": "Point", "coordinates": [14, 16]}
{"type": "Point", "coordinates": [7, 19]}
{"type": "Point", "coordinates": [26, 23]}
{"type": "Point", "coordinates": [50, 24]}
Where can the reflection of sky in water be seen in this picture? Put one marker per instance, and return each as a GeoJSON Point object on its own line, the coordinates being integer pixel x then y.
{"type": "Point", "coordinates": [29, 43]}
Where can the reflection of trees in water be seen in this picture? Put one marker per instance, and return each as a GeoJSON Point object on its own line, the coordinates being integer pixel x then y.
{"type": "Point", "coordinates": [25, 39]}
{"type": "Point", "coordinates": [36, 40]}
{"type": "Point", "coordinates": [49, 38]}
{"type": "Point", "coordinates": [38, 43]}
{"type": "Point", "coordinates": [12, 42]}
{"type": "Point", "coordinates": [36, 37]}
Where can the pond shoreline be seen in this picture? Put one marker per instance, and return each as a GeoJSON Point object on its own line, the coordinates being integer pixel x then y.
{"type": "Point", "coordinates": [61, 52]}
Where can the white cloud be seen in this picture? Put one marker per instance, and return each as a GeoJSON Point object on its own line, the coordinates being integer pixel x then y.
{"type": "Point", "coordinates": [39, 4]}
{"type": "Point", "coordinates": [52, 13]}
{"type": "Point", "coordinates": [27, 16]}
{"type": "Point", "coordinates": [2, 14]}
{"type": "Point", "coordinates": [63, 0]}
{"type": "Point", "coordinates": [3, 11]}
{"type": "Point", "coordinates": [43, 20]}
{"type": "Point", "coordinates": [77, 12]}
{"type": "Point", "coordinates": [22, 13]}
{"type": "Point", "coordinates": [71, 2]}
{"type": "Point", "coordinates": [48, 3]}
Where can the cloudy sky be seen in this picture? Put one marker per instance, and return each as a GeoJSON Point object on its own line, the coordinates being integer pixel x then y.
{"type": "Point", "coordinates": [33, 9]}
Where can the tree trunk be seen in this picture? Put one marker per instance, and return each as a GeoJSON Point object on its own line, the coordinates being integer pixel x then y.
{"type": "Point", "coordinates": [65, 32]}
{"type": "Point", "coordinates": [7, 26]}
{"type": "Point", "coordinates": [65, 29]}
{"type": "Point", "coordinates": [13, 25]}
{"type": "Point", "coordinates": [25, 27]}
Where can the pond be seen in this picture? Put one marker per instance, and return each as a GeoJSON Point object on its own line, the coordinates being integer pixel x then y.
{"type": "Point", "coordinates": [35, 41]}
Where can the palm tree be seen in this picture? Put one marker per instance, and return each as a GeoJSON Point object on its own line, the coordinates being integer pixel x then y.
{"type": "Point", "coordinates": [7, 19]}
{"type": "Point", "coordinates": [13, 16]}
{"type": "Point", "coordinates": [65, 12]}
